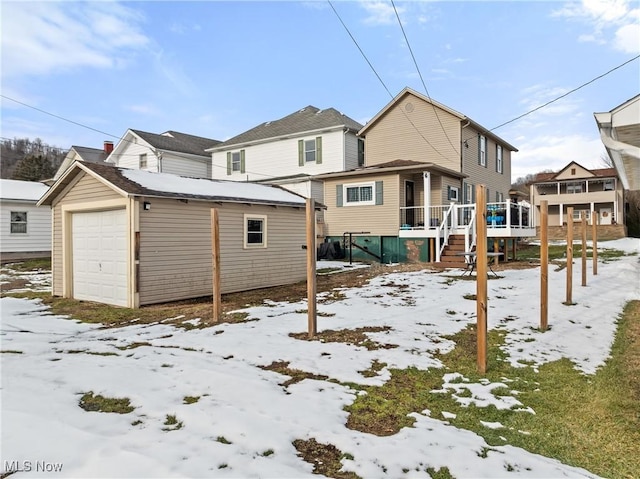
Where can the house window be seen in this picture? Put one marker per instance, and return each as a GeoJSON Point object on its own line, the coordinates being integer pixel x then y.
{"type": "Point", "coordinates": [310, 151]}
{"type": "Point", "coordinates": [452, 193]}
{"type": "Point", "coordinates": [499, 158]}
{"type": "Point", "coordinates": [142, 163]}
{"type": "Point", "coordinates": [360, 152]}
{"type": "Point", "coordinates": [255, 231]}
{"type": "Point", "coordinates": [574, 188]}
{"type": "Point", "coordinates": [608, 185]}
{"type": "Point", "coordinates": [18, 222]}
{"type": "Point", "coordinates": [483, 151]}
{"type": "Point", "coordinates": [469, 193]}
{"type": "Point", "coordinates": [573, 171]}
{"type": "Point", "coordinates": [577, 214]}
{"type": "Point", "coordinates": [359, 194]}
{"type": "Point", "coordinates": [235, 161]}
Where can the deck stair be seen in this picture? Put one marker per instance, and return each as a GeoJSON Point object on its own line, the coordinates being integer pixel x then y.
{"type": "Point", "coordinates": [450, 254]}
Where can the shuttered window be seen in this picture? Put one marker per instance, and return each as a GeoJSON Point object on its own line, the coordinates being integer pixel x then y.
{"type": "Point", "coordinates": [360, 194]}
{"type": "Point", "coordinates": [310, 151]}
{"type": "Point", "coordinates": [235, 162]}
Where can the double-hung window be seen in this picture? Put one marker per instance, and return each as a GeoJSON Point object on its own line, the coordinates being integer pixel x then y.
{"type": "Point", "coordinates": [310, 151]}
{"type": "Point", "coordinates": [18, 222]}
{"type": "Point", "coordinates": [142, 161]}
{"type": "Point", "coordinates": [499, 158]}
{"type": "Point", "coordinates": [359, 194]}
{"type": "Point", "coordinates": [255, 231]}
{"type": "Point", "coordinates": [608, 185]}
{"type": "Point", "coordinates": [574, 188]}
{"type": "Point", "coordinates": [235, 161]}
{"type": "Point", "coordinates": [482, 159]}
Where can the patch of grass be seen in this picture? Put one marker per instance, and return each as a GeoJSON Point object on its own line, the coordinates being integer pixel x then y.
{"type": "Point", "coordinates": [326, 458]}
{"type": "Point", "coordinates": [327, 270]}
{"type": "Point", "coordinates": [471, 297]}
{"type": "Point", "coordinates": [355, 337]}
{"type": "Point", "coordinates": [11, 351]}
{"type": "Point", "coordinates": [190, 399]}
{"type": "Point", "coordinates": [282, 367]}
{"type": "Point", "coordinates": [99, 403]}
{"type": "Point", "coordinates": [374, 369]}
{"type": "Point", "coordinates": [576, 416]}
{"type": "Point", "coordinates": [222, 440]}
{"type": "Point", "coordinates": [137, 422]}
{"type": "Point", "coordinates": [34, 264]}
{"type": "Point", "coordinates": [133, 345]}
{"type": "Point", "coordinates": [172, 422]}
{"type": "Point", "coordinates": [267, 453]}
{"type": "Point", "coordinates": [105, 353]}
{"type": "Point", "coordinates": [442, 473]}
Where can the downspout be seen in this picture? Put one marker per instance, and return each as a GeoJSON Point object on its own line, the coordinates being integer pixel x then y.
{"type": "Point", "coordinates": [462, 145]}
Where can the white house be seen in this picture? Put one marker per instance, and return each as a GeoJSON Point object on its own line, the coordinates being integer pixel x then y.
{"type": "Point", "coordinates": [289, 151]}
{"type": "Point", "coordinates": [25, 229]}
{"type": "Point", "coordinates": [170, 152]}
{"type": "Point", "coordinates": [83, 153]}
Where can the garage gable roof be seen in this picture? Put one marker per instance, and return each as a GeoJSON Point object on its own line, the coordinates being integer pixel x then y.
{"type": "Point", "coordinates": [163, 185]}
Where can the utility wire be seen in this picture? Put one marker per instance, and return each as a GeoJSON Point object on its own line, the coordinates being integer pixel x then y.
{"type": "Point", "coordinates": [435, 110]}
{"type": "Point", "coordinates": [566, 94]}
{"type": "Point", "coordinates": [382, 82]}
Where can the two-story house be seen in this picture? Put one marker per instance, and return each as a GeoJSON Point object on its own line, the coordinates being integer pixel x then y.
{"type": "Point", "coordinates": [83, 153]}
{"type": "Point", "coordinates": [290, 151]}
{"type": "Point", "coordinates": [584, 190]}
{"type": "Point", "coordinates": [417, 186]}
{"type": "Point", "coordinates": [170, 152]}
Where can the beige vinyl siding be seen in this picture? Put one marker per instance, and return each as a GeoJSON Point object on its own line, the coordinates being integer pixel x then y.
{"type": "Point", "coordinates": [381, 220]}
{"type": "Point", "coordinates": [580, 173]}
{"type": "Point", "coordinates": [175, 249]}
{"type": "Point", "coordinates": [488, 175]}
{"type": "Point", "coordinates": [394, 135]}
{"type": "Point", "coordinates": [86, 189]}
{"type": "Point", "coordinates": [445, 182]}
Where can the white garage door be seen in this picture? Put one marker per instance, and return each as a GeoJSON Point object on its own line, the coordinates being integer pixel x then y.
{"type": "Point", "coordinates": [100, 256]}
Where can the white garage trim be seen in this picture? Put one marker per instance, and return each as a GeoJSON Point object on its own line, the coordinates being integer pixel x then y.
{"type": "Point", "coordinates": [100, 256]}
{"type": "Point", "coordinates": [67, 241]}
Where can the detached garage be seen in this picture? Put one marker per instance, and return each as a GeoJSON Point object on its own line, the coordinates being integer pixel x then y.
{"type": "Point", "coordinates": [132, 238]}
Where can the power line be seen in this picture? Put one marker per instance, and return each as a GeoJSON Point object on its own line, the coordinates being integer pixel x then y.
{"type": "Point", "coordinates": [382, 82]}
{"type": "Point", "coordinates": [565, 94]}
{"type": "Point", "coordinates": [435, 110]}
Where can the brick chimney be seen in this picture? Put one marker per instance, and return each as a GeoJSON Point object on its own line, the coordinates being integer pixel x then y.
{"type": "Point", "coordinates": [108, 147]}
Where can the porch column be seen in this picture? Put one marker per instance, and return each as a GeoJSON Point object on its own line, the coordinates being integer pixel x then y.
{"type": "Point", "coordinates": [561, 213]}
{"type": "Point", "coordinates": [426, 178]}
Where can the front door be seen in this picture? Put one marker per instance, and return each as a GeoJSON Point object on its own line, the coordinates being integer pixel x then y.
{"type": "Point", "coordinates": [605, 216]}
{"type": "Point", "coordinates": [409, 202]}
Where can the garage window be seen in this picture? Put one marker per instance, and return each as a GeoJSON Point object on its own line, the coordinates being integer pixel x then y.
{"type": "Point", "coordinates": [18, 222]}
{"type": "Point", "coordinates": [255, 231]}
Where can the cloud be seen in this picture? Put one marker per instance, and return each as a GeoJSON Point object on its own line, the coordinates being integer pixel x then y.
{"type": "Point", "coordinates": [612, 22]}
{"type": "Point", "coordinates": [44, 38]}
{"type": "Point", "coordinates": [142, 109]}
{"type": "Point", "coordinates": [381, 13]}
{"type": "Point", "coordinates": [553, 152]}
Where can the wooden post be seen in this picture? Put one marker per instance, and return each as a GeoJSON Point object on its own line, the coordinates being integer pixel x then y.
{"type": "Point", "coordinates": [311, 267]}
{"type": "Point", "coordinates": [569, 298]}
{"type": "Point", "coordinates": [544, 265]}
{"type": "Point", "coordinates": [594, 240]}
{"type": "Point", "coordinates": [514, 246]}
{"type": "Point", "coordinates": [496, 249]}
{"type": "Point", "coordinates": [481, 277]}
{"type": "Point", "coordinates": [432, 250]}
{"type": "Point", "coordinates": [215, 257]}
{"type": "Point", "coordinates": [583, 231]}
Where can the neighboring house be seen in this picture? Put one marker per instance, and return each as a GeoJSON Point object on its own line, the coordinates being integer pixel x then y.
{"type": "Point", "coordinates": [585, 190]}
{"type": "Point", "coordinates": [131, 238]}
{"type": "Point", "coordinates": [620, 134]}
{"type": "Point", "coordinates": [418, 184]}
{"type": "Point", "coordinates": [83, 153]}
{"type": "Point", "coordinates": [291, 150]}
{"type": "Point", "coordinates": [170, 152]}
{"type": "Point", "coordinates": [25, 229]}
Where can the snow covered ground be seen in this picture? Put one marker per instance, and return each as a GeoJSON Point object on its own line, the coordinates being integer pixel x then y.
{"type": "Point", "coordinates": [48, 362]}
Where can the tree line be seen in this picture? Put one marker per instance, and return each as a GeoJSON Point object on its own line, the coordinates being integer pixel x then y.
{"type": "Point", "coordinates": [29, 160]}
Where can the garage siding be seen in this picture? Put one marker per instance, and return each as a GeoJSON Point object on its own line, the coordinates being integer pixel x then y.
{"type": "Point", "coordinates": [175, 249]}
{"type": "Point", "coordinates": [87, 189]}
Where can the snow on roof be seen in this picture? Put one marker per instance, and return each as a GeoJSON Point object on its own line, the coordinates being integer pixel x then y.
{"type": "Point", "coordinates": [163, 182]}
{"type": "Point", "coordinates": [22, 190]}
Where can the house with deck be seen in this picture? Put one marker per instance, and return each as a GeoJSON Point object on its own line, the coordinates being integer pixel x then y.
{"type": "Point", "coordinates": [414, 197]}
{"type": "Point", "coordinates": [586, 191]}
{"type": "Point", "coordinates": [169, 152]}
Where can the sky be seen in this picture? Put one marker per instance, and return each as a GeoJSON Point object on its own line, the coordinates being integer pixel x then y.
{"type": "Point", "coordinates": [50, 361]}
{"type": "Point", "coordinates": [216, 69]}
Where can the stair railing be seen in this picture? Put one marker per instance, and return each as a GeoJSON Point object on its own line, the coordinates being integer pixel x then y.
{"type": "Point", "coordinates": [470, 233]}
{"type": "Point", "coordinates": [444, 228]}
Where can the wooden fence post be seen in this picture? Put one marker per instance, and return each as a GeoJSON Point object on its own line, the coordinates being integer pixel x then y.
{"type": "Point", "coordinates": [594, 240]}
{"type": "Point", "coordinates": [311, 267]}
{"type": "Point", "coordinates": [569, 298]}
{"type": "Point", "coordinates": [583, 231]}
{"type": "Point", "coordinates": [481, 277]}
{"type": "Point", "coordinates": [215, 257]}
{"type": "Point", "coordinates": [544, 265]}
